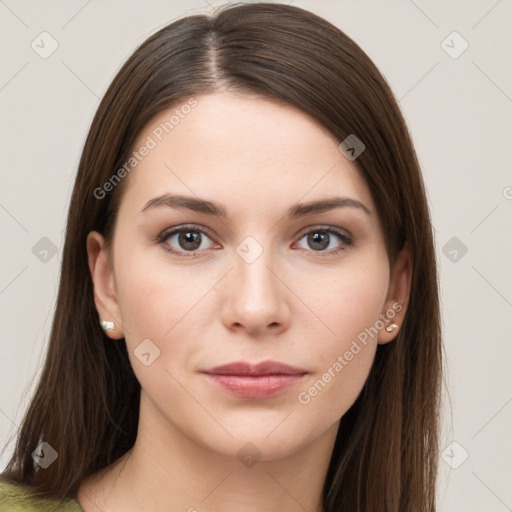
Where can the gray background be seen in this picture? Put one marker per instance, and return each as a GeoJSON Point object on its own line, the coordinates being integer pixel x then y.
{"type": "Point", "coordinates": [458, 107]}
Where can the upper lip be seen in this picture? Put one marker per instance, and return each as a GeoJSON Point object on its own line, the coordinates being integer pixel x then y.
{"type": "Point", "coordinates": [263, 368]}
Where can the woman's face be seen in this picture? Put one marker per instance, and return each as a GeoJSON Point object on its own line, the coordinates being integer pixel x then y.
{"type": "Point", "coordinates": [270, 280]}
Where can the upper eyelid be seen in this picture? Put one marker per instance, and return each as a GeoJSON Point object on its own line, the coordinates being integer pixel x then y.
{"type": "Point", "coordinates": [322, 227]}
{"type": "Point", "coordinates": [192, 227]}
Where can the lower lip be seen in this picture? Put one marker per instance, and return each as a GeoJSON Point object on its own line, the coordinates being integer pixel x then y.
{"type": "Point", "coordinates": [263, 386]}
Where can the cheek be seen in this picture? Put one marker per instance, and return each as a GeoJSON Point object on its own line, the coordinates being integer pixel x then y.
{"type": "Point", "coordinates": [349, 307]}
{"type": "Point", "coordinates": [161, 312]}
{"type": "Point", "coordinates": [168, 304]}
{"type": "Point", "coordinates": [329, 394]}
{"type": "Point", "coordinates": [344, 356]}
{"type": "Point", "coordinates": [346, 301]}
{"type": "Point", "coordinates": [156, 297]}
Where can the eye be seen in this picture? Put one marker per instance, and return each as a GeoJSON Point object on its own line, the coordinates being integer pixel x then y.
{"type": "Point", "coordinates": [320, 238]}
{"type": "Point", "coordinates": [189, 241]}
{"type": "Point", "coordinates": [183, 240]}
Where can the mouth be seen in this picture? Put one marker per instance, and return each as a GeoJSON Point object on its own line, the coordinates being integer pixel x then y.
{"type": "Point", "coordinates": [259, 381]}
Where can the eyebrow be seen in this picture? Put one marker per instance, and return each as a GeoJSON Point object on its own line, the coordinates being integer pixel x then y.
{"type": "Point", "coordinates": [211, 208]}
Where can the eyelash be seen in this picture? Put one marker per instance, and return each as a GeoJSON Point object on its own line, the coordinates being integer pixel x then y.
{"type": "Point", "coordinates": [347, 241]}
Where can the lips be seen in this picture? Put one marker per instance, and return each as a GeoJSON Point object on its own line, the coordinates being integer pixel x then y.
{"type": "Point", "coordinates": [259, 381]}
{"type": "Point", "coordinates": [264, 368]}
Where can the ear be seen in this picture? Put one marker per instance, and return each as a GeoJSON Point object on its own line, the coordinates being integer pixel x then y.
{"type": "Point", "coordinates": [102, 274]}
{"type": "Point", "coordinates": [397, 300]}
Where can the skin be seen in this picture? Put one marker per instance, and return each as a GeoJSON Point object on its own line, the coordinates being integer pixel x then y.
{"type": "Point", "coordinates": [257, 157]}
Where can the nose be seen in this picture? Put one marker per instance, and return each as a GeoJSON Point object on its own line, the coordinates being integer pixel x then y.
{"type": "Point", "coordinates": [257, 298]}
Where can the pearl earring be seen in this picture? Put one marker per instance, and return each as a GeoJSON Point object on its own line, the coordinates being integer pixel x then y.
{"type": "Point", "coordinates": [389, 328]}
{"type": "Point", "coordinates": [107, 326]}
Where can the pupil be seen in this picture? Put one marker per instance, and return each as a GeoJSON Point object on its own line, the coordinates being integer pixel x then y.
{"type": "Point", "coordinates": [187, 240]}
{"type": "Point", "coordinates": [317, 237]}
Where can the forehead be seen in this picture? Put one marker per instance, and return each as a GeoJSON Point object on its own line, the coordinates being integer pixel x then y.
{"type": "Point", "coordinates": [243, 151]}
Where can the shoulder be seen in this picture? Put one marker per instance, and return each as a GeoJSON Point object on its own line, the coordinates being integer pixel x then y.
{"type": "Point", "coordinates": [17, 498]}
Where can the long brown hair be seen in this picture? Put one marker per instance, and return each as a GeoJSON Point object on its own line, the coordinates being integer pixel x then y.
{"type": "Point", "coordinates": [86, 403]}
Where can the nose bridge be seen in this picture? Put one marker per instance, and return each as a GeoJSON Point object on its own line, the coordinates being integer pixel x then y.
{"type": "Point", "coordinates": [252, 269]}
{"type": "Point", "coordinates": [257, 297]}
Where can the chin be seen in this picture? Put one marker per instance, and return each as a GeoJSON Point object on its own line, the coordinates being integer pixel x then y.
{"type": "Point", "coordinates": [264, 444]}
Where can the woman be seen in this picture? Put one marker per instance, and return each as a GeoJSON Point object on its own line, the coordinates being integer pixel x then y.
{"type": "Point", "coordinates": [248, 313]}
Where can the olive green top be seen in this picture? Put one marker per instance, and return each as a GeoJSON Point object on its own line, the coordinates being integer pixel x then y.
{"type": "Point", "coordinates": [16, 498]}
